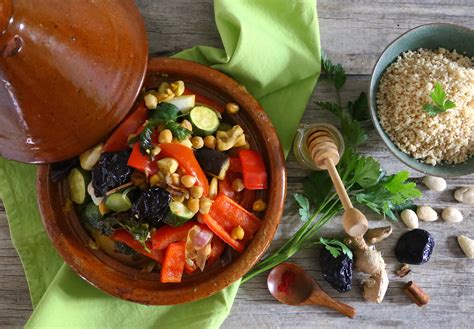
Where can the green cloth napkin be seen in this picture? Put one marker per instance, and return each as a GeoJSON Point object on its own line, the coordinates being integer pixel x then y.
{"type": "Point", "coordinates": [271, 47]}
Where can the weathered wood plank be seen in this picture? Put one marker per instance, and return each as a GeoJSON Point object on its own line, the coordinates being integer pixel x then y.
{"type": "Point", "coordinates": [352, 33]}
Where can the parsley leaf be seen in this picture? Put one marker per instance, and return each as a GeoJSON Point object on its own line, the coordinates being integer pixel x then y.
{"type": "Point", "coordinates": [359, 109]}
{"type": "Point", "coordinates": [367, 172]}
{"type": "Point", "coordinates": [400, 189]}
{"type": "Point", "coordinates": [317, 186]}
{"type": "Point", "coordinates": [391, 194]}
{"type": "Point", "coordinates": [334, 72]}
{"type": "Point", "coordinates": [304, 210]}
{"type": "Point", "coordinates": [441, 104]}
{"type": "Point", "coordinates": [352, 130]}
{"type": "Point", "coordinates": [140, 231]}
{"type": "Point", "coordinates": [166, 114]}
{"type": "Point", "coordinates": [179, 132]}
{"type": "Point", "coordinates": [335, 247]}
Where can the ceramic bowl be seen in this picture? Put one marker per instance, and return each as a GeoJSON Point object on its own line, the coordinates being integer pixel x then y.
{"type": "Point", "coordinates": [106, 273]}
{"type": "Point", "coordinates": [430, 36]}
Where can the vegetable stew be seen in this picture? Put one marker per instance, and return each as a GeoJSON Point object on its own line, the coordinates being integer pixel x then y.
{"type": "Point", "coordinates": [173, 186]}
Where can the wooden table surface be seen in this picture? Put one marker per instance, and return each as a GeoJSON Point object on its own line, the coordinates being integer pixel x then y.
{"type": "Point", "coordinates": [353, 33]}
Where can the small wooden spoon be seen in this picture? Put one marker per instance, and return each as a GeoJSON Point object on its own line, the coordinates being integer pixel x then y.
{"type": "Point", "coordinates": [323, 150]}
{"type": "Point", "coordinates": [290, 284]}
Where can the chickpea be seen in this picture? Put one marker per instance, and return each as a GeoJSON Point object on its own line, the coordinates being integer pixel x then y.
{"type": "Point", "coordinates": [259, 205]}
{"type": "Point", "coordinates": [156, 150]}
{"type": "Point", "coordinates": [175, 179]}
{"type": "Point", "coordinates": [155, 180]}
{"type": "Point", "coordinates": [213, 188]}
{"type": "Point", "coordinates": [178, 198]}
{"type": "Point", "coordinates": [163, 86]}
{"type": "Point", "coordinates": [188, 181]}
{"type": "Point", "coordinates": [204, 205]}
{"type": "Point", "coordinates": [193, 205]}
{"type": "Point", "coordinates": [151, 101]}
{"type": "Point", "coordinates": [237, 233]}
{"type": "Point", "coordinates": [238, 185]}
{"type": "Point", "coordinates": [186, 124]}
{"type": "Point", "coordinates": [196, 191]}
{"type": "Point", "coordinates": [178, 87]}
{"type": "Point", "coordinates": [165, 136]}
{"type": "Point", "coordinates": [168, 165]}
{"type": "Point", "coordinates": [232, 108]}
{"type": "Point", "coordinates": [210, 142]}
{"type": "Point", "coordinates": [197, 142]}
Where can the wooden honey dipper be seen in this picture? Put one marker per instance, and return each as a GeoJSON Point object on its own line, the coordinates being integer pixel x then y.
{"type": "Point", "coordinates": [324, 152]}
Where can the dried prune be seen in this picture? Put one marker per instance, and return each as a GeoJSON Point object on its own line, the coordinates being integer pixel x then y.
{"type": "Point", "coordinates": [110, 172]}
{"type": "Point", "coordinates": [151, 206]}
{"type": "Point", "coordinates": [415, 247]}
{"type": "Point", "coordinates": [336, 271]}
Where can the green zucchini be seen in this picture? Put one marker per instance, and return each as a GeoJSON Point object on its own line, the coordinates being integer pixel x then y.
{"type": "Point", "coordinates": [118, 202]}
{"type": "Point", "coordinates": [78, 180]}
{"type": "Point", "coordinates": [204, 120]}
{"type": "Point", "coordinates": [178, 214]}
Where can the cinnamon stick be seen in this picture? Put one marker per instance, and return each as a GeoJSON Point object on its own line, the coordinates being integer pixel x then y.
{"type": "Point", "coordinates": [416, 294]}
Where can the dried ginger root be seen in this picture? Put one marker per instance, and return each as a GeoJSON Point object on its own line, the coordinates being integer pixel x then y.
{"type": "Point", "coordinates": [370, 261]}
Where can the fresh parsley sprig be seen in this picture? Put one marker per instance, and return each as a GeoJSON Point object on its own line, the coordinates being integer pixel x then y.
{"type": "Point", "coordinates": [165, 114]}
{"type": "Point", "coordinates": [336, 247]}
{"type": "Point", "coordinates": [441, 104]}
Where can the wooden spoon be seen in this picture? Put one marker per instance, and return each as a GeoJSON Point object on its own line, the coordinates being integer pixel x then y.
{"type": "Point", "coordinates": [323, 150]}
{"type": "Point", "coordinates": [290, 284]}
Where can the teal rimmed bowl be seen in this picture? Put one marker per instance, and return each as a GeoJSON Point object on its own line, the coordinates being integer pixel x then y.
{"type": "Point", "coordinates": [429, 36]}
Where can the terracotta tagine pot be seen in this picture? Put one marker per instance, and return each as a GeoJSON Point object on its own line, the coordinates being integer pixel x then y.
{"type": "Point", "coordinates": [112, 276]}
{"type": "Point", "coordinates": [70, 71]}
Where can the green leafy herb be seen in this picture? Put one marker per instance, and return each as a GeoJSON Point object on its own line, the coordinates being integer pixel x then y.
{"type": "Point", "coordinates": [392, 193]}
{"type": "Point", "coordinates": [179, 132]}
{"type": "Point", "coordinates": [304, 210]}
{"type": "Point", "coordinates": [352, 130]}
{"type": "Point", "coordinates": [335, 247]}
{"type": "Point", "coordinates": [166, 114]}
{"type": "Point", "coordinates": [124, 249]}
{"type": "Point", "coordinates": [359, 109]}
{"type": "Point", "coordinates": [140, 231]}
{"type": "Point", "coordinates": [362, 176]}
{"type": "Point", "coordinates": [441, 104]}
{"type": "Point", "coordinates": [335, 73]}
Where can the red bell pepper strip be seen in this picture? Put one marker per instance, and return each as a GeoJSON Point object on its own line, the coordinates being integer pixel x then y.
{"type": "Point", "coordinates": [218, 230]}
{"type": "Point", "coordinates": [235, 165]}
{"type": "Point", "coordinates": [253, 170]}
{"type": "Point", "coordinates": [204, 100]}
{"type": "Point", "coordinates": [173, 263]}
{"type": "Point", "coordinates": [244, 198]}
{"type": "Point", "coordinates": [225, 214]}
{"type": "Point", "coordinates": [126, 238]}
{"type": "Point", "coordinates": [141, 162]}
{"type": "Point", "coordinates": [118, 141]}
{"type": "Point", "coordinates": [166, 235]}
{"type": "Point", "coordinates": [186, 159]}
{"type": "Point", "coordinates": [217, 248]}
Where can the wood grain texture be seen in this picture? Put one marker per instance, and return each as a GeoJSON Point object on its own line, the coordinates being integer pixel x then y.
{"type": "Point", "coordinates": [352, 33]}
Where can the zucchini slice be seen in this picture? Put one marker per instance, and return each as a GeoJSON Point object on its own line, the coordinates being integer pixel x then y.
{"type": "Point", "coordinates": [78, 180]}
{"type": "Point", "coordinates": [178, 214]}
{"type": "Point", "coordinates": [204, 120]}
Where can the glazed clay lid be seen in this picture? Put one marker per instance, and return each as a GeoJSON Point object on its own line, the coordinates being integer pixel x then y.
{"type": "Point", "coordinates": [69, 73]}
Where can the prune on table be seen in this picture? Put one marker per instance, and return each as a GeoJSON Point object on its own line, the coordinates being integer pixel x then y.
{"type": "Point", "coordinates": [152, 206]}
{"type": "Point", "coordinates": [110, 172]}
{"type": "Point", "coordinates": [336, 271]}
{"type": "Point", "coordinates": [415, 247]}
